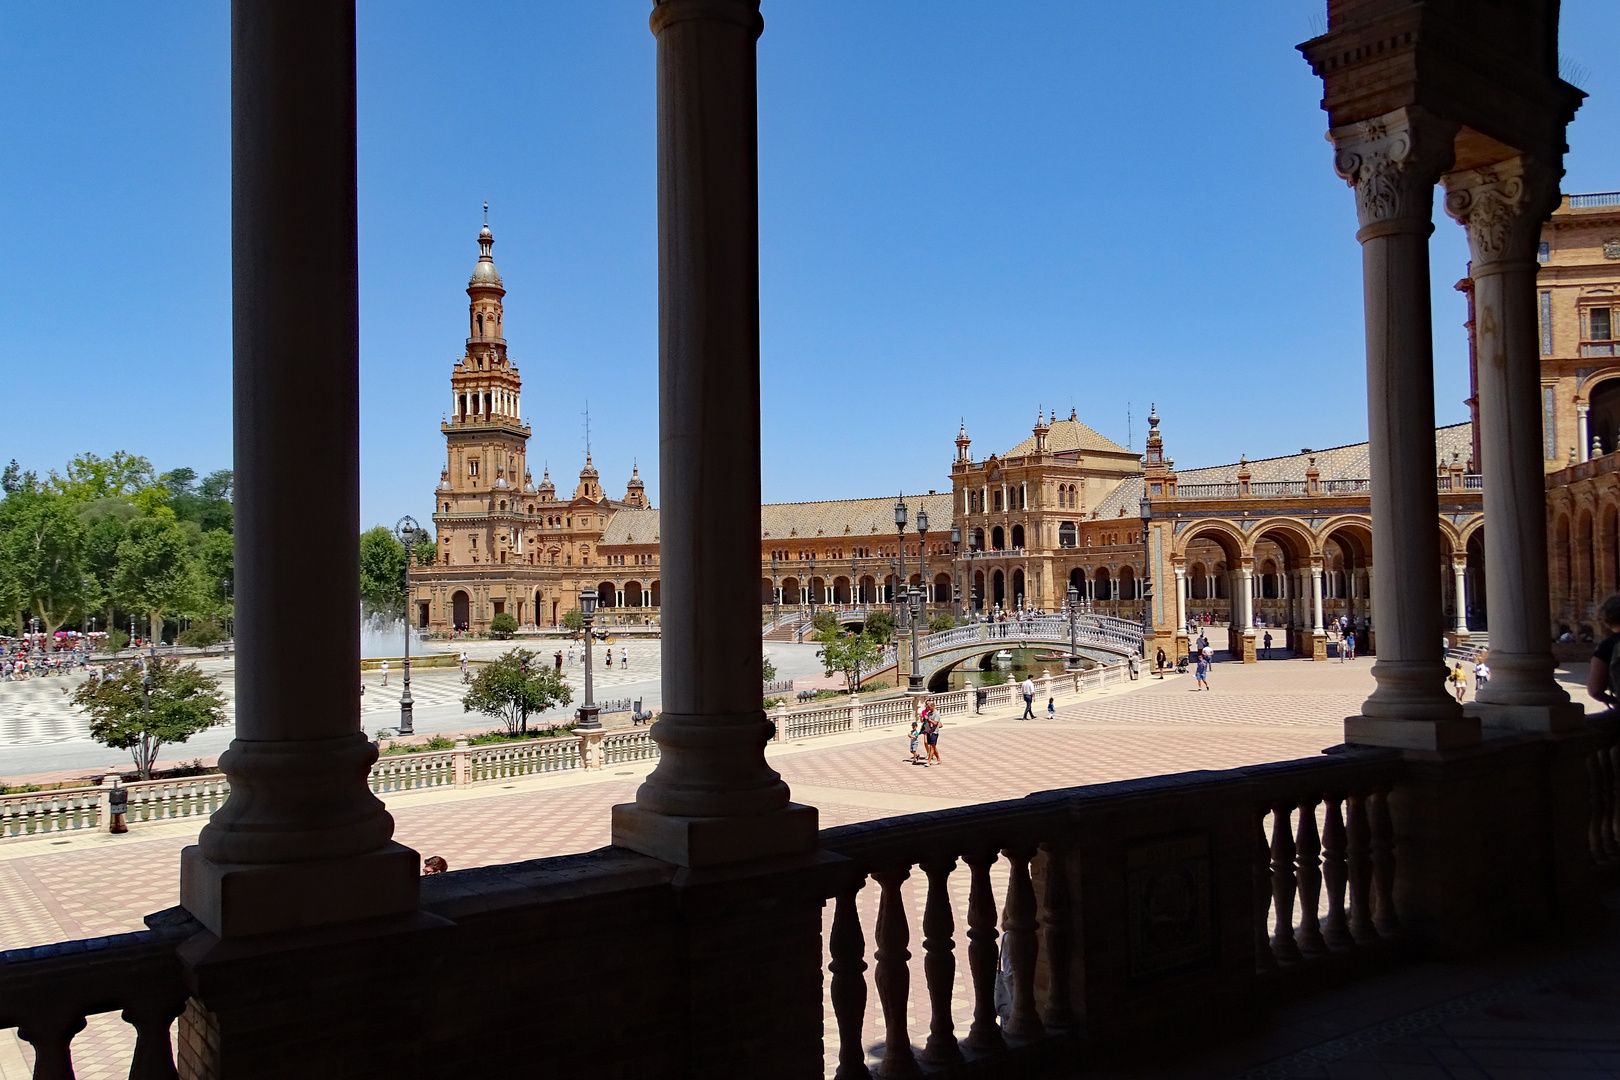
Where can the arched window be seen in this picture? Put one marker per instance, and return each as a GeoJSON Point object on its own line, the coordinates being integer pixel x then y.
{"type": "Point", "coordinates": [1068, 535]}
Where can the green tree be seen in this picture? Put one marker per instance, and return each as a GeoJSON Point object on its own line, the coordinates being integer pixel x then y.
{"type": "Point", "coordinates": [848, 653]}
{"type": "Point", "coordinates": [154, 572]}
{"type": "Point", "coordinates": [513, 687]}
{"type": "Point", "coordinates": [90, 476]}
{"type": "Point", "coordinates": [105, 527]}
{"type": "Point", "coordinates": [216, 492]}
{"type": "Point", "coordinates": [382, 573]}
{"type": "Point", "coordinates": [824, 621]}
{"type": "Point", "coordinates": [427, 552]}
{"type": "Point", "coordinates": [127, 714]}
{"type": "Point", "coordinates": [201, 635]}
{"type": "Point", "coordinates": [767, 670]}
{"type": "Point", "coordinates": [573, 619]}
{"type": "Point", "coordinates": [941, 623]}
{"type": "Point", "coordinates": [42, 543]}
{"type": "Point", "coordinates": [503, 625]}
{"type": "Point", "coordinates": [14, 481]}
{"type": "Point", "coordinates": [879, 623]}
{"type": "Point", "coordinates": [215, 563]}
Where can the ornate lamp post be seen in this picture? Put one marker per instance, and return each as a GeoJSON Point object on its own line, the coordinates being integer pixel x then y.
{"type": "Point", "coordinates": [854, 582]}
{"type": "Point", "coordinates": [900, 574]}
{"type": "Point", "coordinates": [915, 598]}
{"type": "Point", "coordinates": [922, 555]}
{"type": "Point", "coordinates": [1074, 629]}
{"type": "Point", "coordinates": [894, 592]}
{"type": "Point", "coordinates": [587, 711]}
{"type": "Point", "coordinates": [776, 594]}
{"type": "Point", "coordinates": [409, 534]}
{"type": "Point", "coordinates": [811, 585]}
{"type": "Point", "coordinates": [956, 575]}
{"type": "Point", "coordinates": [1147, 575]}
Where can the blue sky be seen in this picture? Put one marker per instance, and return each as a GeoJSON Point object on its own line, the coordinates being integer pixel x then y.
{"type": "Point", "coordinates": [963, 215]}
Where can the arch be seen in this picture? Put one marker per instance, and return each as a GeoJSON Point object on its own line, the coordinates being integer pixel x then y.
{"type": "Point", "coordinates": [1102, 584]}
{"type": "Point", "coordinates": [818, 590]}
{"type": "Point", "coordinates": [1018, 588]}
{"type": "Point", "coordinates": [1128, 583]}
{"type": "Point", "coordinates": [1297, 542]}
{"type": "Point", "coordinates": [1077, 582]}
{"type": "Point", "coordinates": [998, 589]}
{"type": "Point", "coordinates": [942, 588]}
{"type": "Point", "coordinates": [1068, 535]}
{"type": "Point", "coordinates": [998, 539]}
{"type": "Point", "coordinates": [1603, 414]}
{"type": "Point", "coordinates": [977, 596]}
{"type": "Point", "coordinates": [655, 593]}
{"type": "Point", "coordinates": [1586, 557]}
{"type": "Point", "coordinates": [791, 591]}
{"type": "Point", "coordinates": [539, 604]}
{"type": "Point", "coordinates": [461, 610]}
{"type": "Point", "coordinates": [606, 594]}
{"type": "Point", "coordinates": [868, 590]}
{"type": "Point", "coordinates": [1564, 564]}
{"type": "Point", "coordinates": [633, 594]}
{"type": "Point", "coordinates": [976, 540]}
{"type": "Point", "coordinates": [767, 592]}
{"type": "Point", "coordinates": [1270, 579]}
{"type": "Point", "coordinates": [1018, 536]}
{"type": "Point", "coordinates": [841, 590]}
{"type": "Point", "coordinates": [1225, 536]}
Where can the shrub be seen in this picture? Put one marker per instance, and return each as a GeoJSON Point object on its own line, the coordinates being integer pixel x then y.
{"type": "Point", "coordinates": [113, 642]}
{"type": "Point", "coordinates": [503, 625]}
{"type": "Point", "coordinates": [941, 623]}
{"type": "Point", "coordinates": [437, 742]}
{"type": "Point", "coordinates": [824, 620]}
{"type": "Point", "coordinates": [489, 737]}
{"type": "Point", "coordinates": [202, 635]}
{"type": "Point", "coordinates": [880, 624]}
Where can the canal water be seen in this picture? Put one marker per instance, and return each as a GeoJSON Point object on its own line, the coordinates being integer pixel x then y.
{"type": "Point", "coordinates": [1014, 664]}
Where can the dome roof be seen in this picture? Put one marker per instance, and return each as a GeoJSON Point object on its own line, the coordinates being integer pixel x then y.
{"type": "Point", "coordinates": [484, 273]}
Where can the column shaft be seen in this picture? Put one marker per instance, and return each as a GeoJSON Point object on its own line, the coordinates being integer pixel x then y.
{"type": "Point", "coordinates": [1316, 599]}
{"type": "Point", "coordinates": [1393, 163]}
{"type": "Point", "coordinates": [711, 777]}
{"type": "Point", "coordinates": [1503, 207]}
{"type": "Point", "coordinates": [1459, 596]}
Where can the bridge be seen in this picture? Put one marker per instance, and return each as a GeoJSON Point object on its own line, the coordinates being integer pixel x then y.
{"type": "Point", "coordinates": [1101, 638]}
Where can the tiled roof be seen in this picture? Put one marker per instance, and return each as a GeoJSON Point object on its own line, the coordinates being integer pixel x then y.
{"type": "Point", "coordinates": [1334, 463]}
{"type": "Point", "coordinates": [804, 520]}
{"type": "Point", "coordinates": [1069, 435]}
{"type": "Point", "coordinates": [1127, 497]}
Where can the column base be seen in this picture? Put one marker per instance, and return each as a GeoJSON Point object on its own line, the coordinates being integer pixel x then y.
{"type": "Point", "coordinates": [1531, 718]}
{"type": "Point", "coordinates": [1412, 734]}
{"type": "Point", "coordinates": [239, 900]}
{"type": "Point", "coordinates": [1319, 645]}
{"type": "Point", "coordinates": [1246, 649]}
{"type": "Point", "coordinates": [591, 754]}
{"type": "Point", "coordinates": [713, 841]}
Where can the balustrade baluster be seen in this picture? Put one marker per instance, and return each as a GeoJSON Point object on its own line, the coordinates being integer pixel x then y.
{"type": "Point", "coordinates": [154, 1053]}
{"type": "Point", "coordinates": [1018, 920]}
{"type": "Point", "coordinates": [846, 948]}
{"type": "Point", "coordinates": [1385, 920]}
{"type": "Point", "coordinates": [1309, 877]}
{"type": "Point", "coordinates": [1264, 961]}
{"type": "Point", "coordinates": [1336, 931]}
{"type": "Point", "coordinates": [939, 964]}
{"type": "Point", "coordinates": [1282, 884]}
{"type": "Point", "coordinates": [1056, 938]}
{"type": "Point", "coordinates": [52, 1039]}
{"type": "Point", "coordinates": [893, 975]}
{"type": "Point", "coordinates": [985, 1033]}
{"type": "Point", "coordinates": [1359, 859]}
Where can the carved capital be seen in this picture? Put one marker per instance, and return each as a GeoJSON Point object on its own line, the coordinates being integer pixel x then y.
{"type": "Point", "coordinates": [1502, 206]}
{"type": "Point", "coordinates": [1393, 162]}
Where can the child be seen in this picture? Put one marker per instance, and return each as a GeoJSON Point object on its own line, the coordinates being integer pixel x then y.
{"type": "Point", "coordinates": [1051, 708]}
{"type": "Point", "coordinates": [915, 731]}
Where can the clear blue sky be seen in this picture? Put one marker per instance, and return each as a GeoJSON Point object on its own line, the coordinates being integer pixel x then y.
{"type": "Point", "coordinates": [967, 211]}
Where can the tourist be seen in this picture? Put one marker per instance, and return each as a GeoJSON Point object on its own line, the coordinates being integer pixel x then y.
{"type": "Point", "coordinates": [624, 659]}
{"type": "Point", "coordinates": [434, 864]}
{"type": "Point", "coordinates": [1159, 662]}
{"type": "Point", "coordinates": [931, 727]}
{"type": "Point", "coordinates": [1028, 690]}
{"type": "Point", "coordinates": [1350, 644]}
{"type": "Point", "coordinates": [463, 665]}
{"type": "Point", "coordinates": [1459, 681]}
{"type": "Point", "coordinates": [1602, 679]}
{"type": "Point", "coordinates": [559, 660]}
{"type": "Point", "coordinates": [1130, 662]}
{"type": "Point", "coordinates": [916, 730]}
{"type": "Point", "coordinates": [1482, 675]}
{"type": "Point", "coordinates": [1051, 708]}
{"type": "Point", "coordinates": [1267, 654]}
{"type": "Point", "coordinates": [1202, 671]}
{"type": "Point", "coordinates": [384, 668]}
{"type": "Point", "coordinates": [610, 656]}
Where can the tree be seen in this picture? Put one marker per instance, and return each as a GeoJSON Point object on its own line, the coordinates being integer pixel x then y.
{"type": "Point", "coordinates": [941, 623]}
{"type": "Point", "coordinates": [848, 653]}
{"type": "Point", "coordinates": [824, 621]}
{"type": "Point", "coordinates": [427, 552]}
{"type": "Point", "coordinates": [90, 476]}
{"type": "Point", "coordinates": [767, 670]}
{"type": "Point", "coordinates": [513, 687]}
{"type": "Point", "coordinates": [154, 572]}
{"type": "Point", "coordinates": [14, 480]}
{"type": "Point", "coordinates": [880, 624]}
{"type": "Point", "coordinates": [503, 625]}
{"type": "Point", "coordinates": [382, 573]}
{"type": "Point", "coordinates": [42, 543]}
{"type": "Point", "coordinates": [214, 558]}
{"type": "Point", "coordinates": [127, 714]}
{"type": "Point", "coordinates": [201, 635]}
{"type": "Point", "coordinates": [574, 619]}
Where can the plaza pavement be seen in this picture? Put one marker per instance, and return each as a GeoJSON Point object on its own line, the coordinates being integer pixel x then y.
{"type": "Point", "coordinates": [53, 889]}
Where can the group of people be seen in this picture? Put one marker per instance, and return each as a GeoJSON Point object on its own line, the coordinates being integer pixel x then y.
{"type": "Point", "coordinates": [926, 727]}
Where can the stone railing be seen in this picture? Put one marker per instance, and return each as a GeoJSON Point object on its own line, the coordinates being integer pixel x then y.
{"type": "Point", "coordinates": [1347, 487]}
{"type": "Point", "coordinates": [70, 809]}
{"type": "Point", "coordinates": [1219, 880]}
{"type": "Point", "coordinates": [1206, 491]}
{"type": "Point", "coordinates": [1279, 489]}
{"type": "Point", "coordinates": [778, 686]}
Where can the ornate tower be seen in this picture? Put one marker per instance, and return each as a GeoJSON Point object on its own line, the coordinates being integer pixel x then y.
{"type": "Point", "coordinates": [635, 492]}
{"type": "Point", "coordinates": [484, 479]}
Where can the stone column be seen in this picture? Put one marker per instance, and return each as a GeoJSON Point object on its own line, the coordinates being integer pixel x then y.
{"type": "Point", "coordinates": [1317, 627]}
{"type": "Point", "coordinates": [1181, 599]}
{"type": "Point", "coordinates": [1583, 438]}
{"type": "Point", "coordinates": [301, 841]}
{"type": "Point", "coordinates": [1243, 647]}
{"type": "Point", "coordinates": [1459, 571]}
{"type": "Point", "coordinates": [1393, 163]}
{"type": "Point", "coordinates": [712, 799]}
{"type": "Point", "coordinates": [1503, 207]}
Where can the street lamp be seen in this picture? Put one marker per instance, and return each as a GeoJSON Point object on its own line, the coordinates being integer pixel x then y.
{"type": "Point", "coordinates": [900, 531]}
{"type": "Point", "coordinates": [776, 594]}
{"type": "Point", "coordinates": [1074, 628]}
{"type": "Point", "coordinates": [922, 554]}
{"type": "Point", "coordinates": [915, 597]}
{"type": "Point", "coordinates": [409, 534]}
{"type": "Point", "coordinates": [1147, 574]}
{"type": "Point", "coordinates": [812, 584]}
{"type": "Point", "coordinates": [855, 598]}
{"type": "Point", "coordinates": [587, 711]}
{"type": "Point", "coordinates": [956, 576]}
{"type": "Point", "coordinates": [894, 592]}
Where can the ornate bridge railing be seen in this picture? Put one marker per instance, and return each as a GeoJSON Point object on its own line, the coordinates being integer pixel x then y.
{"type": "Point", "coordinates": [1117, 635]}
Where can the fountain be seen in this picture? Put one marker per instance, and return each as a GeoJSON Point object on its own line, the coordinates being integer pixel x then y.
{"type": "Point", "coordinates": [384, 637]}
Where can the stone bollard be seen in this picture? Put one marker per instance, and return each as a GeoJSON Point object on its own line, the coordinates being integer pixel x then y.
{"type": "Point", "coordinates": [591, 754]}
{"type": "Point", "coordinates": [460, 757]}
{"type": "Point", "coordinates": [779, 717]}
{"type": "Point", "coordinates": [856, 711]}
{"type": "Point", "coordinates": [1046, 685]}
{"type": "Point", "coordinates": [114, 805]}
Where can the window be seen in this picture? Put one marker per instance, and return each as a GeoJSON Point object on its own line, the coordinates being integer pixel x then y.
{"type": "Point", "coordinates": [1546, 324]}
{"type": "Point", "coordinates": [472, 467]}
{"type": "Point", "coordinates": [1544, 252]}
{"type": "Point", "coordinates": [1548, 424]}
{"type": "Point", "coordinates": [1600, 324]}
{"type": "Point", "coordinates": [447, 508]}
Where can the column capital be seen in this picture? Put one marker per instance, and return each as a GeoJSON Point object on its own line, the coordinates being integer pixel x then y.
{"type": "Point", "coordinates": [744, 13]}
{"type": "Point", "coordinates": [1393, 161]}
{"type": "Point", "coordinates": [1502, 206]}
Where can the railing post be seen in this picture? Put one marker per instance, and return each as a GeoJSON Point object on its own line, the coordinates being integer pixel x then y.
{"type": "Point", "coordinates": [1359, 858]}
{"type": "Point", "coordinates": [1336, 931]}
{"type": "Point", "coordinates": [1385, 920]}
{"type": "Point", "coordinates": [1264, 959]}
{"type": "Point", "coordinates": [52, 1040]}
{"type": "Point", "coordinates": [984, 1035]}
{"type": "Point", "coordinates": [1056, 937]}
{"type": "Point", "coordinates": [1282, 883]}
{"type": "Point", "coordinates": [461, 761]}
{"type": "Point", "coordinates": [846, 949]}
{"type": "Point", "coordinates": [893, 975]}
{"type": "Point", "coordinates": [1309, 875]}
{"type": "Point", "coordinates": [939, 963]}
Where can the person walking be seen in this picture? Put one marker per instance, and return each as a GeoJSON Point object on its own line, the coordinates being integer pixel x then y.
{"type": "Point", "coordinates": [559, 661]}
{"type": "Point", "coordinates": [1350, 644]}
{"type": "Point", "coordinates": [1028, 690]}
{"type": "Point", "coordinates": [1051, 708]}
{"type": "Point", "coordinates": [463, 665]}
{"type": "Point", "coordinates": [1202, 671]}
{"type": "Point", "coordinates": [1459, 681]}
{"type": "Point", "coordinates": [1159, 662]}
{"type": "Point", "coordinates": [1482, 675]}
{"type": "Point", "coordinates": [916, 730]}
{"type": "Point", "coordinates": [931, 729]}
{"type": "Point", "coordinates": [1268, 645]}
{"type": "Point", "coordinates": [385, 672]}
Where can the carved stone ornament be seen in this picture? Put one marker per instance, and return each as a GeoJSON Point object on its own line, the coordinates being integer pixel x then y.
{"type": "Point", "coordinates": [1611, 248]}
{"type": "Point", "coordinates": [1393, 162]}
{"type": "Point", "coordinates": [1502, 206]}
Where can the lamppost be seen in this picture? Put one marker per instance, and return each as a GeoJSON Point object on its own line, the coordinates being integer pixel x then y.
{"type": "Point", "coordinates": [84, 623]}
{"type": "Point", "coordinates": [776, 594]}
{"type": "Point", "coordinates": [956, 574]}
{"type": "Point", "coordinates": [922, 555]}
{"type": "Point", "coordinates": [1074, 629]}
{"type": "Point", "coordinates": [894, 592]}
{"type": "Point", "coordinates": [915, 597]}
{"type": "Point", "coordinates": [812, 586]}
{"type": "Point", "coordinates": [1147, 574]}
{"type": "Point", "coordinates": [409, 534]}
{"type": "Point", "coordinates": [587, 711]}
{"type": "Point", "coordinates": [132, 632]}
{"type": "Point", "coordinates": [900, 531]}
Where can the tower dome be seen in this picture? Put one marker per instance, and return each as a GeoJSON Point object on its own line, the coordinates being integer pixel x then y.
{"type": "Point", "coordinates": [484, 273]}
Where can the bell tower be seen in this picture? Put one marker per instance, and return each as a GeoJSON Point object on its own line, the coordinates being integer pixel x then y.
{"type": "Point", "coordinates": [483, 483]}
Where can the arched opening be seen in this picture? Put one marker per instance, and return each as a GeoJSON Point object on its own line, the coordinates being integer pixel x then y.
{"type": "Point", "coordinates": [868, 590]}
{"type": "Point", "coordinates": [790, 591]}
{"type": "Point", "coordinates": [1588, 559]}
{"type": "Point", "coordinates": [841, 590]}
{"type": "Point", "coordinates": [1127, 583]}
{"type": "Point", "coordinates": [1603, 417]}
{"type": "Point", "coordinates": [1018, 588]}
{"type": "Point", "coordinates": [1198, 582]}
{"type": "Point", "coordinates": [1564, 568]}
{"type": "Point", "coordinates": [1270, 580]}
{"type": "Point", "coordinates": [422, 609]}
{"type": "Point", "coordinates": [654, 593]}
{"type": "Point", "coordinates": [633, 594]}
{"type": "Point", "coordinates": [607, 594]}
{"type": "Point", "coordinates": [1077, 582]}
{"type": "Point", "coordinates": [998, 539]}
{"type": "Point", "coordinates": [1017, 536]}
{"type": "Point", "coordinates": [1068, 535]}
{"type": "Point", "coordinates": [942, 588]}
{"type": "Point", "coordinates": [460, 611]}
{"type": "Point", "coordinates": [977, 597]}
{"type": "Point", "coordinates": [998, 589]}
{"type": "Point", "coordinates": [976, 540]}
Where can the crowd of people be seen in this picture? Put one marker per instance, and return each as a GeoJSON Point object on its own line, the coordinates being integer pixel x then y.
{"type": "Point", "coordinates": [36, 655]}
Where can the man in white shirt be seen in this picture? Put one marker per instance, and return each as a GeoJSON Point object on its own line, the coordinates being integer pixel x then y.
{"type": "Point", "coordinates": [385, 672]}
{"type": "Point", "coordinates": [1028, 689]}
